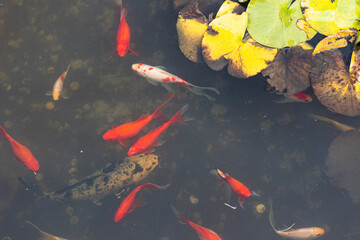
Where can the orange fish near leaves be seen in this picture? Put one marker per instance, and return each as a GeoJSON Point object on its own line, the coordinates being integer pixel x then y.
{"type": "Point", "coordinates": [22, 153]}
{"type": "Point", "coordinates": [129, 203]}
{"type": "Point", "coordinates": [146, 143]}
{"type": "Point", "coordinates": [129, 131]}
{"type": "Point", "coordinates": [236, 186]}
{"type": "Point", "coordinates": [123, 33]}
{"type": "Point", "coordinates": [204, 233]}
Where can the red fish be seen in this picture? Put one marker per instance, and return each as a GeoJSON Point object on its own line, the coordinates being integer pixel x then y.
{"type": "Point", "coordinates": [22, 153]}
{"type": "Point", "coordinates": [204, 233]}
{"type": "Point", "coordinates": [123, 33]}
{"type": "Point", "coordinates": [129, 203]}
{"type": "Point", "coordinates": [300, 97]}
{"type": "Point", "coordinates": [128, 131]}
{"type": "Point", "coordinates": [146, 143]}
{"type": "Point", "coordinates": [236, 186]}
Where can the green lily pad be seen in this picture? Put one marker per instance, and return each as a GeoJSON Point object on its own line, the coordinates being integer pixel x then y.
{"type": "Point", "coordinates": [273, 23]}
{"type": "Point", "coordinates": [329, 16]}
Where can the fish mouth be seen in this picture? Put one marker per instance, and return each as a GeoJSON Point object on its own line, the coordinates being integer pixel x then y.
{"type": "Point", "coordinates": [221, 174]}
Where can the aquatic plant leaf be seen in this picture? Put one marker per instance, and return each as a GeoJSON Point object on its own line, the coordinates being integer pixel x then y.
{"type": "Point", "coordinates": [303, 25]}
{"type": "Point", "coordinates": [338, 40]}
{"type": "Point", "coordinates": [224, 34]}
{"type": "Point", "coordinates": [336, 87]}
{"type": "Point", "coordinates": [357, 37]}
{"type": "Point", "coordinates": [273, 23]}
{"type": "Point", "coordinates": [343, 165]}
{"type": "Point", "coordinates": [191, 26]}
{"type": "Point", "coordinates": [249, 58]}
{"type": "Point", "coordinates": [329, 16]}
{"type": "Point", "coordinates": [289, 71]}
{"type": "Point", "coordinates": [228, 7]}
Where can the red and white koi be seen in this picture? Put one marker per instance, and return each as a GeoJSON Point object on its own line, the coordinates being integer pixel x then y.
{"type": "Point", "coordinates": [300, 97]}
{"type": "Point", "coordinates": [128, 131]}
{"type": "Point", "coordinates": [301, 233]}
{"type": "Point", "coordinates": [22, 153]}
{"type": "Point", "coordinates": [159, 75]}
{"type": "Point", "coordinates": [236, 186]}
{"type": "Point", "coordinates": [56, 93]}
{"type": "Point", "coordinates": [129, 203]}
{"type": "Point", "coordinates": [204, 233]}
{"type": "Point", "coordinates": [146, 143]}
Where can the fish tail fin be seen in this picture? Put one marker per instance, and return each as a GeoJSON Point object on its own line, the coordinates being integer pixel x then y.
{"type": "Point", "coordinates": [123, 13]}
{"type": "Point", "coordinates": [155, 187]}
{"type": "Point", "coordinates": [31, 187]}
{"type": "Point", "coordinates": [319, 118]}
{"type": "Point", "coordinates": [137, 53]}
{"type": "Point", "coordinates": [200, 91]}
{"type": "Point", "coordinates": [157, 114]}
{"type": "Point", "coordinates": [178, 116]}
{"type": "Point", "coordinates": [44, 234]}
{"type": "Point", "coordinates": [271, 214]}
{"type": "Point", "coordinates": [68, 68]}
{"type": "Point", "coordinates": [180, 217]}
{"type": "Point", "coordinates": [2, 131]}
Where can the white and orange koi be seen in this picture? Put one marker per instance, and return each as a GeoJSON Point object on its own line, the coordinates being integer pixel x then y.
{"type": "Point", "coordinates": [57, 91]}
{"type": "Point", "coordinates": [301, 233]}
{"type": "Point", "coordinates": [44, 235]}
{"type": "Point", "coordinates": [159, 75]}
{"type": "Point", "coordinates": [342, 127]}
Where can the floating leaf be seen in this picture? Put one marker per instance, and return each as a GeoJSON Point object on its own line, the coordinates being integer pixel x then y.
{"type": "Point", "coordinates": [338, 40]}
{"type": "Point", "coordinates": [289, 71]}
{"type": "Point", "coordinates": [273, 23]}
{"type": "Point", "coordinates": [336, 87]}
{"type": "Point", "coordinates": [343, 165]}
{"type": "Point", "coordinates": [228, 7]}
{"type": "Point", "coordinates": [191, 26]}
{"type": "Point", "coordinates": [303, 25]}
{"type": "Point", "coordinates": [329, 16]}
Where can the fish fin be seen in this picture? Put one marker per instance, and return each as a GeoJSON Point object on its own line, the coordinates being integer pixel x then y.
{"type": "Point", "coordinates": [124, 142]}
{"type": "Point", "coordinates": [200, 91]}
{"type": "Point", "coordinates": [123, 13]}
{"type": "Point", "coordinates": [254, 194]}
{"type": "Point", "coordinates": [114, 53]}
{"type": "Point", "coordinates": [2, 131]}
{"type": "Point", "coordinates": [168, 87]}
{"type": "Point", "coordinates": [241, 202]}
{"type": "Point", "coordinates": [287, 229]}
{"type": "Point", "coordinates": [133, 139]}
{"type": "Point", "coordinates": [157, 114]}
{"type": "Point", "coordinates": [230, 206]}
{"type": "Point", "coordinates": [134, 52]}
{"type": "Point", "coordinates": [136, 204]}
{"type": "Point", "coordinates": [162, 68]}
{"type": "Point", "coordinates": [271, 214]}
{"type": "Point", "coordinates": [214, 172]}
{"type": "Point", "coordinates": [180, 218]}
{"type": "Point", "coordinates": [148, 150]}
{"type": "Point", "coordinates": [142, 117]}
{"type": "Point", "coordinates": [178, 116]}
{"type": "Point", "coordinates": [64, 94]}
{"type": "Point", "coordinates": [159, 142]}
{"type": "Point", "coordinates": [48, 93]}
{"type": "Point", "coordinates": [152, 82]}
{"type": "Point", "coordinates": [161, 116]}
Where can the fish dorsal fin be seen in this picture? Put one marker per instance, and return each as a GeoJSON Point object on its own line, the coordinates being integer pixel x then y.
{"type": "Point", "coordinates": [162, 68]}
{"type": "Point", "coordinates": [286, 229]}
{"type": "Point", "coordinates": [136, 204]}
{"type": "Point", "coordinates": [142, 117]}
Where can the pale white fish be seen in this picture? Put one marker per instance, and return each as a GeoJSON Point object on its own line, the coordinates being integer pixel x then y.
{"type": "Point", "coordinates": [57, 91]}
{"type": "Point", "coordinates": [301, 233]}
{"type": "Point", "coordinates": [45, 235]}
{"type": "Point", "coordinates": [159, 75]}
{"type": "Point", "coordinates": [340, 126]}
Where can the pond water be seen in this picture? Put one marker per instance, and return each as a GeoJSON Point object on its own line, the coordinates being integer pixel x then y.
{"type": "Point", "coordinates": [275, 149]}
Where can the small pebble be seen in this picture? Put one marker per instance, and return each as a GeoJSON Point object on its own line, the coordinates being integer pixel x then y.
{"type": "Point", "coordinates": [193, 199]}
{"type": "Point", "coordinates": [74, 86]}
{"type": "Point", "coordinates": [49, 105]}
{"type": "Point", "coordinates": [39, 176]}
{"type": "Point", "coordinates": [51, 70]}
{"type": "Point", "coordinates": [69, 211]}
{"type": "Point", "coordinates": [260, 208]}
{"type": "Point", "coordinates": [74, 220]}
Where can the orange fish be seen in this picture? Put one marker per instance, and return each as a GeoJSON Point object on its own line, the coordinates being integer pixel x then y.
{"type": "Point", "coordinates": [123, 34]}
{"type": "Point", "coordinates": [204, 233]}
{"type": "Point", "coordinates": [128, 131]}
{"type": "Point", "coordinates": [146, 143]}
{"type": "Point", "coordinates": [236, 186]}
{"type": "Point", "coordinates": [129, 203]}
{"type": "Point", "coordinates": [22, 153]}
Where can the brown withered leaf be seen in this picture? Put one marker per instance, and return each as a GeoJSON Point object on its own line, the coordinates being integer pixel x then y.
{"type": "Point", "coordinates": [289, 71]}
{"type": "Point", "coordinates": [343, 163]}
{"type": "Point", "coordinates": [336, 87]}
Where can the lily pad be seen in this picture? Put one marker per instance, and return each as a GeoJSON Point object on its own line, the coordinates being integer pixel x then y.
{"type": "Point", "coordinates": [289, 71]}
{"type": "Point", "coordinates": [303, 25]}
{"type": "Point", "coordinates": [337, 40]}
{"type": "Point", "coordinates": [336, 87]}
{"type": "Point", "coordinates": [329, 16]}
{"type": "Point", "coordinates": [273, 23]}
{"type": "Point", "coordinates": [343, 165]}
{"type": "Point", "coordinates": [191, 26]}
{"type": "Point", "coordinates": [228, 7]}
{"type": "Point", "coordinates": [223, 44]}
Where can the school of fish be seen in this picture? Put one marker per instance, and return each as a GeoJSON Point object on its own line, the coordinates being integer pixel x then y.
{"type": "Point", "coordinates": [114, 177]}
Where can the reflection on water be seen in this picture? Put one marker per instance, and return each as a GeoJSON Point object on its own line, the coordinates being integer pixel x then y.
{"type": "Point", "coordinates": [276, 150]}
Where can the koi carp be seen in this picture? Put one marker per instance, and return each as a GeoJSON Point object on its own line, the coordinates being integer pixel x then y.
{"type": "Point", "coordinates": [159, 75]}
{"type": "Point", "coordinates": [57, 91]}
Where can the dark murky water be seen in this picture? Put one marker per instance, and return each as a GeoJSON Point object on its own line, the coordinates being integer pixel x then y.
{"type": "Point", "coordinates": [274, 149]}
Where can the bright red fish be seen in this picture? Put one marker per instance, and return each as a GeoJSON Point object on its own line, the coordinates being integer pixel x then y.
{"type": "Point", "coordinates": [22, 153]}
{"type": "Point", "coordinates": [204, 233]}
{"type": "Point", "coordinates": [129, 203]}
{"type": "Point", "coordinates": [123, 33]}
{"type": "Point", "coordinates": [146, 143]}
{"type": "Point", "coordinates": [236, 186]}
{"type": "Point", "coordinates": [129, 131]}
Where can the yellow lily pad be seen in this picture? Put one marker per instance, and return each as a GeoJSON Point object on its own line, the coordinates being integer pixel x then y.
{"type": "Point", "coordinates": [191, 26]}
{"type": "Point", "coordinates": [335, 86]}
{"type": "Point", "coordinates": [228, 7]}
{"type": "Point", "coordinates": [303, 25]}
{"type": "Point", "coordinates": [289, 71]}
{"type": "Point", "coordinates": [329, 16]}
{"type": "Point", "coordinates": [338, 40]}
